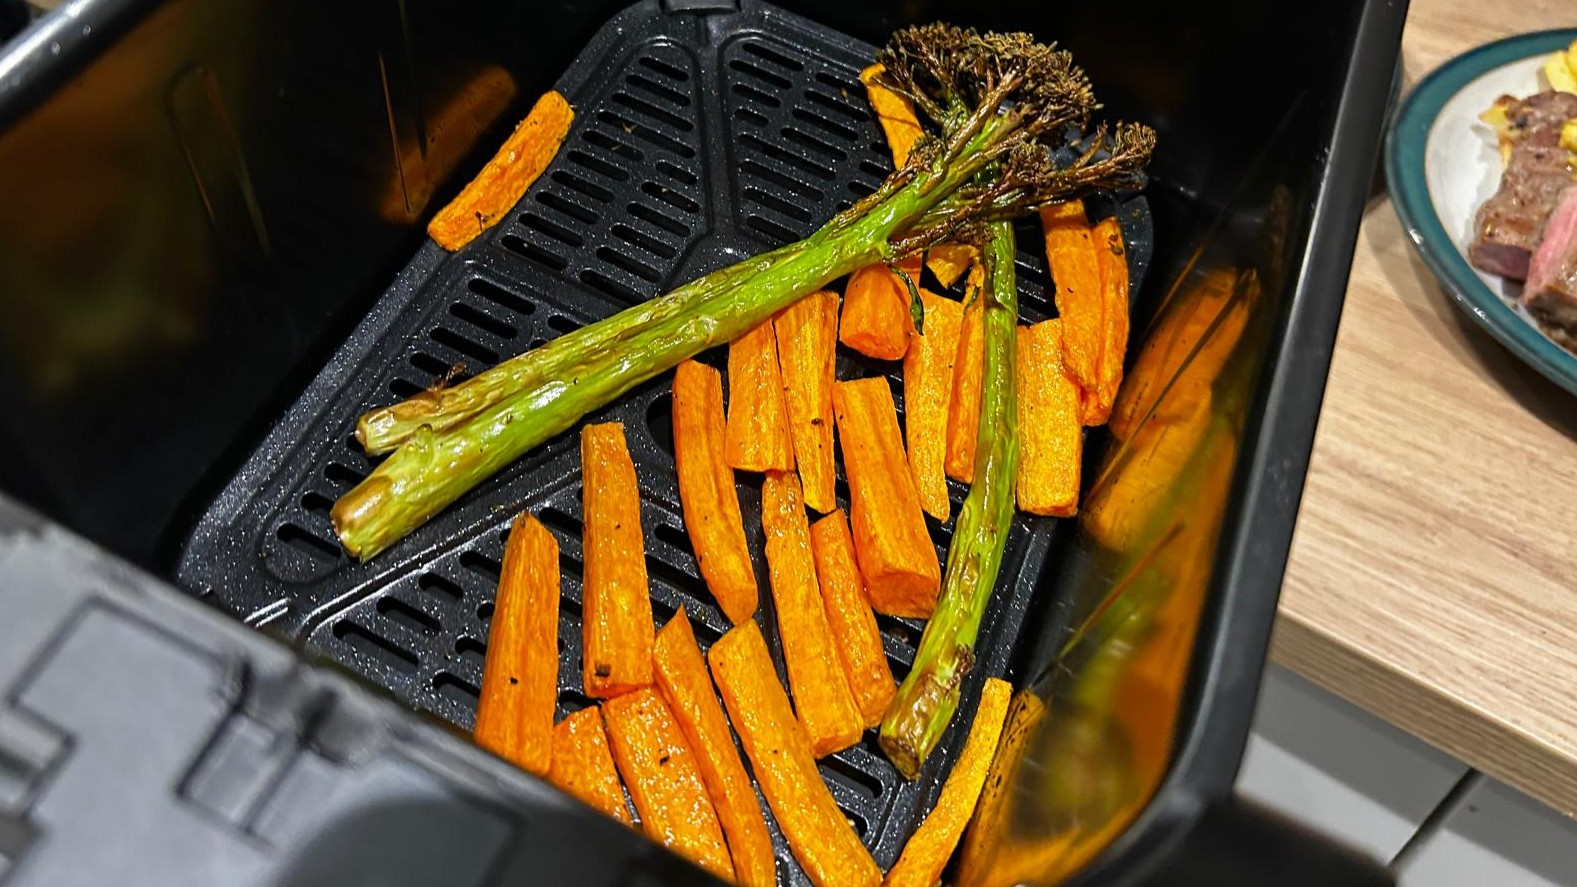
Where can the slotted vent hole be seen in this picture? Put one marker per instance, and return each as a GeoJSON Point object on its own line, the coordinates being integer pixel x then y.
{"type": "Point", "coordinates": [456, 689]}
{"type": "Point", "coordinates": [628, 263]}
{"type": "Point", "coordinates": [852, 776]}
{"type": "Point", "coordinates": [567, 236]}
{"type": "Point", "coordinates": [445, 589]}
{"type": "Point", "coordinates": [501, 297]}
{"type": "Point", "coordinates": [618, 147]}
{"type": "Point", "coordinates": [566, 206]}
{"type": "Point", "coordinates": [482, 321]}
{"type": "Point", "coordinates": [608, 285]}
{"type": "Point", "coordinates": [652, 63]}
{"type": "Point", "coordinates": [472, 349]}
{"type": "Point", "coordinates": [407, 616]}
{"type": "Point", "coordinates": [598, 165]}
{"type": "Point", "coordinates": [653, 217]}
{"type": "Point", "coordinates": [375, 646]}
{"type": "Point", "coordinates": [643, 108]}
{"type": "Point", "coordinates": [307, 542]}
{"type": "Point", "coordinates": [646, 134]}
{"type": "Point", "coordinates": [519, 246]}
{"type": "Point", "coordinates": [643, 241]}
{"type": "Point", "coordinates": [471, 651]}
{"type": "Point", "coordinates": [758, 73]}
{"type": "Point", "coordinates": [404, 388]}
{"type": "Point", "coordinates": [658, 90]}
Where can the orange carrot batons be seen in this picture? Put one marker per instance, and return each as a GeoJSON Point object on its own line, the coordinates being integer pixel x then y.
{"type": "Point", "coordinates": [687, 687]}
{"type": "Point", "coordinates": [616, 637]}
{"type": "Point", "coordinates": [928, 390]}
{"type": "Point", "coordinates": [706, 490]}
{"type": "Point", "coordinates": [822, 698]}
{"type": "Point", "coordinates": [807, 334]}
{"type": "Point", "coordinates": [894, 548]}
{"type": "Point", "coordinates": [1051, 437]}
{"type": "Point", "coordinates": [1113, 259]}
{"type": "Point", "coordinates": [969, 365]}
{"type": "Point", "coordinates": [895, 113]}
{"type": "Point", "coordinates": [499, 186]}
{"type": "Point", "coordinates": [818, 834]}
{"type": "Point", "coordinates": [1076, 272]}
{"type": "Point", "coordinates": [583, 764]}
{"type": "Point", "coordinates": [514, 718]}
{"type": "Point", "coordinates": [664, 780]}
{"type": "Point", "coordinates": [849, 616]}
{"type": "Point", "coordinates": [757, 436]}
{"type": "Point", "coordinates": [928, 849]}
{"type": "Point", "coordinates": [876, 320]}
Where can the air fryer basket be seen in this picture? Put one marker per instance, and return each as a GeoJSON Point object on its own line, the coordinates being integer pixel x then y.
{"type": "Point", "coordinates": [274, 163]}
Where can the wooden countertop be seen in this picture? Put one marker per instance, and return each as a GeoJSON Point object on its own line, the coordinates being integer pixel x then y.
{"type": "Point", "coordinates": [1433, 576]}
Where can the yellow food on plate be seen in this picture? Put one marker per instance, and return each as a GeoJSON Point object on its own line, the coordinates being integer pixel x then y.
{"type": "Point", "coordinates": [1559, 72]}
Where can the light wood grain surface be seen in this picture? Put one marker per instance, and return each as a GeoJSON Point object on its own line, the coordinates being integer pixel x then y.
{"type": "Point", "coordinates": [1433, 577]}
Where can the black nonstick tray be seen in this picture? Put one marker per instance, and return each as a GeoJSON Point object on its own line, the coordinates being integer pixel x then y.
{"type": "Point", "coordinates": [700, 138]}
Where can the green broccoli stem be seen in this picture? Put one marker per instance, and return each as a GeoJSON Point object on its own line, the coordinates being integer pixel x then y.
{"type": "Point", "coordinates": [443, 409]}
{"type": "Point", "coordinates": [928, 697]}
{"type": "Point", "coordinates": [433, 468]}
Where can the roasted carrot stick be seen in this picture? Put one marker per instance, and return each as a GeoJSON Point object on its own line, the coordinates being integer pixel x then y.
{"type": "Point", "coordinates": [991, 852]}
{"type": "Point", "coordinates": [664, 780]}
{"type": "Point", "coordinates": [616, 638]}
{"type": "Point", "coordinates": [894, 549]}
{"type": "Point", "coordinates": [1112, 257]}
{"type": "Point", "coordinates": [927, 391]}
{"type": "Point", "coordinates": [807, 333]}
{"type": "Point", "coordinates": [822, 698]}
{"type": "Point", "coordinates": [949, 261]}
{"type": "Point", "coordinates": [706, 490]}
{"type": "Point", "coordinates": [963, 408]}
{"type": "Point", "coordinates": [1050, 435]}
{"type": "Point", "coordinates": [923, 858]}
{"type": "Point", "coordinates": [514, 718]}
{"type": "Point", "coordinates": [757, 436]}
{"type": "Point", "coordinates": [895, 113]}
{"type": "Point", "coordinates": [498, 187]}
{"type": "Point", "coordinates": [1076, 271]}
{"type": "Point", "coordinates": [876, 320]}
{"type": "Point", "coordinates": [687, 688]}
{"type": "Point", "coordinates": [849, 615]}
{"type": "Point", "coordinates": [818, 834]}
{"type": "Point", "coordinates": [583, 765]}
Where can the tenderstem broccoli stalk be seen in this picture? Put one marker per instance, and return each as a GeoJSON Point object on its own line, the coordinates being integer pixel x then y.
{"type": "Point", "coordinates": [998, 101]}
{"type": "Point", "coordinates": [927, 699]}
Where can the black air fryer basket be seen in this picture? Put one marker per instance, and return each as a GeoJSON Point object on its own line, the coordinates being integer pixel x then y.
{"type": "Point", "coordinates": [212, 260]}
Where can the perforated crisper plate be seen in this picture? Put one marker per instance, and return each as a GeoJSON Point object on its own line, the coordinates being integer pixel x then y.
{"type": "Point", "coordinates": [699, 139]}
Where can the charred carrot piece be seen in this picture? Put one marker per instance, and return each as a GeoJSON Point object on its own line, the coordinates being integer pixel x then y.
{"type": "Point", "coordinates": [807, 333]}
{"type": "Point", "coordinates": [991, 853]}
{"type": "Point", "coordinates": [785, 767]}
{"type": "Point", "coordinates": [1076, 272]}
{"type": "Point", "coordinates": [1050, 435]}
{"type": "Point", "coordinates": [617, 631]}
{"type": "Point", "coordinates": [927, 392]}
{"type": "Point", "coordinates": [821, 691]}
{"type": "Point", "coordinates": [501, 183]}
{"type": "Point", "coordinates": [892, 545]}
{"type": "Point", "coordinates": [687, 688]}
{"type": "Point", "coordinates": [707, 493]}
{"type": "Point", "coordinates": [849, 615]}
{"type": "Point", "coordinates": [514, 718]}
{"type": "Point", "coordinates": [895, 113]}
{"type": "Point", "coordinates": [969, 364]}
{"type": "Point", "coordinates": [757, 436]}
{"type": "Point", "coordinates": [923, 858]}
{"type": "Point", "coordinates": [876, 320]}
{"type": "Point", "coordinates": [664, 780]}
{"type": "Point", "coordinates": [1112, 257]}
{"type": "Point", "coordinates": [583, 765]}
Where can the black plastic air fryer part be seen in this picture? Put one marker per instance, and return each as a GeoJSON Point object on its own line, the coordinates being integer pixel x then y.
{"type": "Point", "coordinates": [146, 739]}
{"type": "Point", "coordinates": [698, 140]}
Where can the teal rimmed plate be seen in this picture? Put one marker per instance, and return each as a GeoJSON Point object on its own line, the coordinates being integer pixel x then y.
{"type": "Point", "coordinates": [1441, 163]}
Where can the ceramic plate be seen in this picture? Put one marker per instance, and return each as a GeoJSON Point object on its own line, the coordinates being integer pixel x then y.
{"type": "Point", "coordinates": [1441, 163]}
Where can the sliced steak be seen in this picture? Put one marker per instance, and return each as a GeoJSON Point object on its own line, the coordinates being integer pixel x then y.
{"type": "Point", "coordinates": [1551, 292]}
{"type": "Point", "coordinates": [1508, 226]}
